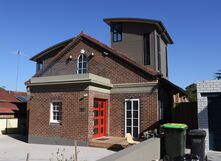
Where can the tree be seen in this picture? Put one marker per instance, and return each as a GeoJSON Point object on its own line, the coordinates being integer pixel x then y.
{"type": "Point", "coordinates": [218, 75]}
{"type": "Point", "coordinates": [191, 92]}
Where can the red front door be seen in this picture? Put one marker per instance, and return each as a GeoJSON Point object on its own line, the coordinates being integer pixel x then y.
{"type": "Point", "coordinates": [100, 114]}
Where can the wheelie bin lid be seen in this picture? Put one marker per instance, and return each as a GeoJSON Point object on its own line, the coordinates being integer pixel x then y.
{"type": "Point", "coordinates": [197, 132]}
{"type": "Point", "coordinates": [174, 126]}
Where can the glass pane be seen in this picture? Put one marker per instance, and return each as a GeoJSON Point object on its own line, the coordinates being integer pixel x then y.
{"type": "Point", "coordinates": [102, 130]}
{"type": "Point", "coordinates": [54, 117]}
{"type": "Point", "coordinates": [84, 57]}
{"type": "Point", "coordinates": [79, 71]}
{"type": "Point", "coordinates": [119, 37]}
{"type": "Point", "coordinates": [80, 58]}
{"type": "Point", "coordinates": [114, 37]}
{"type": "Point", "coordinates": [95, 130]}
{"type": "Point", "coordinates": [84, 65]}
{"type": "Point", "coordinates": [102, 113]}
{"type": "Point", "coordinates": [129, 114]}
{"type": "Point", "coordinates": [135, 105]}
{"type": "Point", "coordinates": [95, 122]}
{"type": "Point", "coordinates": [95, 112]}
{"type": "Point", "coordinates": [95, 104]}
{"type": "Point", "coordinates": [128, 104]}
{"type": "Point", "coordinates": [84, 70]}
{"type": "Point", "coordinates": [135, 132]}
{"type": "Point", "coordinates": [102, 104]}
{"type": "Point", "coordinates": [80, 65]}
{"type": "Point", "coordinates": [135, 114]}
{"type": "Point", "coordinates": [128, 122]}
{"type": "Point", "coordinates": [128, 130]}
{"type": "Point", "coordinates": [135, 122]}
{"type": "Point", "coordinates": [57, 117]}
{"type": "Point", "coordinates": [102, 121]}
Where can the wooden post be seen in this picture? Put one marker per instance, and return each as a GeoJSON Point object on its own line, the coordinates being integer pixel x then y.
{"type": "Point", "coordinates": [75, 151]}
{"type": "Point", "coordinates": [27, 158]}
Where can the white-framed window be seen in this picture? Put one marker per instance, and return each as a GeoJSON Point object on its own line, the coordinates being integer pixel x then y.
{"type": "Point", "coordinates": [116, 30]}
{"type": "Point", "coordinates": [132, 117]}
{"type": "Point", "coordinates": [82, 64]}
{"type": "Point", "coordinates": [56, 112]}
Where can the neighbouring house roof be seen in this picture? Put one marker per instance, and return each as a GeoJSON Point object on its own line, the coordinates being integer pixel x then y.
{"type": "Point", "coordinates": [8, 107]}
{"type": "Point", "coordinates": [172, 86]}
{"type": "Point", "coordinates": [157, 23]}
{"type": "Point", "coordinates": [7, 96]}
{"type": "Point", "coordinates": [9, 103]}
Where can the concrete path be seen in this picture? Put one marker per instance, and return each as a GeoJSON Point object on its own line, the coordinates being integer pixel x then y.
{"type": "Point", "coordinates": [214, 156]}
{"type": "Point", "coordinates": [211, 155]}
{"type": "Point", "coordinates": [14, 150]}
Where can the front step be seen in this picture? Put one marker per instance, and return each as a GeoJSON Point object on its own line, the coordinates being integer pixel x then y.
{"type": "Point", "coordinates": [109, 142]}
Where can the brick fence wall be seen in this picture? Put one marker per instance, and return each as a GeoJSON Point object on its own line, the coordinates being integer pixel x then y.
{"type": "Point", "coordinates": [204, 88]}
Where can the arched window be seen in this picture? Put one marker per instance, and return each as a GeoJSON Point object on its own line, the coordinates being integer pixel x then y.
{"type": "Point", "coordinates": [82, 64]}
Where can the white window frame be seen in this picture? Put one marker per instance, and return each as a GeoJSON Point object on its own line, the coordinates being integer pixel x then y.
{"type": "Point", "coordinates": [125, 107]}
{"type": "Point", "coordinates": [82, 68]}
{"type": "Point", "coordinates": [51, 112]}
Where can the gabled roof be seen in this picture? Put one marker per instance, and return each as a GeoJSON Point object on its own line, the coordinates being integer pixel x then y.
{"type": "Point", "coordinates": [7, 107]}
{"type": "Point", "coordinates": [172, 86]}
{"type": "Point", "coordinates": [7, 96]}
{"type": "Point", "coordinates": [108, 49]}
{"type": "Point", "coordinates": [159, 25]}
{"type": "Point", "coordinates": [50, 49]}
{"type": "Point", "coordinates": [9, 102]}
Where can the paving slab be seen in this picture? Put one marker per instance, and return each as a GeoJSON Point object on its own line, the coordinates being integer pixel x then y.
{"type": "Point", "coordinates": [12, 149]}
{"type": "Point", "coordinates": [214, 156]}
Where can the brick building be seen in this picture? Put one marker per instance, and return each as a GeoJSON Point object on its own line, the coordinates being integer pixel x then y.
{"type": "Point", "coordinates": [84, 89]}
{"type": "Point", "coordinates": [209, 102]}
{"type": "Point", "coordinates": [13, 107]}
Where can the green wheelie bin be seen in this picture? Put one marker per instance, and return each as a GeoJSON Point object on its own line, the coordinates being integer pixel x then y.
{"type": "Point", "coordinates": [174, 139]}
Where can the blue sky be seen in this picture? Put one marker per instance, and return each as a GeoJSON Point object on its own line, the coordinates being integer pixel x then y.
{"type": "Point", "coordinates": [32, 26]}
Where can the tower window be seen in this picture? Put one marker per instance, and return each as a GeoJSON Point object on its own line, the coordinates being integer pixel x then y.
{"type": "Point", "coordinates": [116, 30]}
{"type": "Point", "coordinates": [158, 53]}
{"type": "Point", "coordinates": [146, 49]}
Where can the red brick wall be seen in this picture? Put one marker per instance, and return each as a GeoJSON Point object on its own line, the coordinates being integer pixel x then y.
{"type": "Point", "coordinates": [74, 121]}
{"type": "Point", "coordinates": [148, 112]}
{"type": "Point", "coordinates": [77, 124]}
{"type": "Point", "coordinates": [106, 66]}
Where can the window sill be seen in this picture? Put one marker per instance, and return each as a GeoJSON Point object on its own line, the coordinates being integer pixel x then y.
{"type": "Point", "coordinates": [55, 123]}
